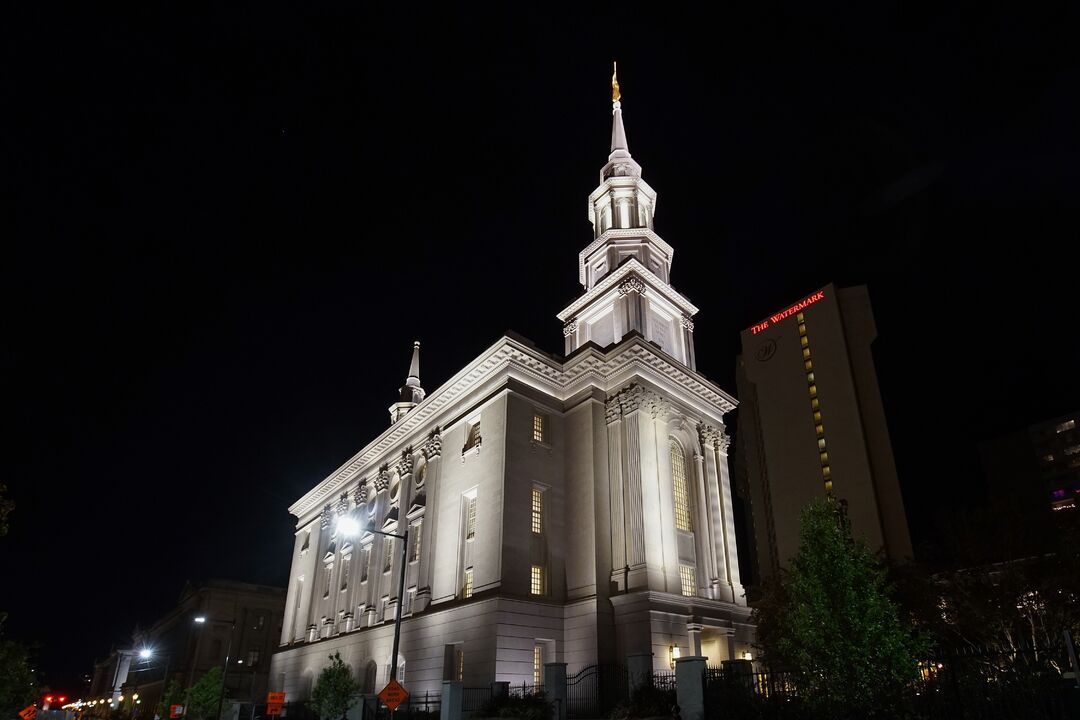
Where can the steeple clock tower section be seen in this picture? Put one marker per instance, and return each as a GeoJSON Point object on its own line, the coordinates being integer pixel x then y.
{"type": "Point", "coordinates": [626, 270]}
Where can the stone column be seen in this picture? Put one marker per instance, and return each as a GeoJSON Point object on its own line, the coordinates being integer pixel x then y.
{"type": "Point", "coordinates": [731, 555]}
{"type": "Point", "coordinates": [639, 667]}
{"type": "Point", "coordinates": [716, 527]}
{"type": "Point", "coordinates": [690, 687]}
{"type": "Point", "coordinates": [433, 453]}
{"type": "Point", "coordinates": [450, 703]}
{"type": "Point", "coordinates": [619, 562]}
{"type": "Point", "coordinates": [693, 634]}
{"type": "Point", "coordinates": [555, 688]}
{"type": "Point", "coordinates": [703, 536]}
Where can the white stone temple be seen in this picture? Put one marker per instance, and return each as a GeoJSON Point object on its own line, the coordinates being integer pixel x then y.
{"type": "Point", "coordinates": [568, 509]}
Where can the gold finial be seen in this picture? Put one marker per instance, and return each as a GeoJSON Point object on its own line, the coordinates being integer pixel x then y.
{"type": "Point", "coordinates": [615, 94]}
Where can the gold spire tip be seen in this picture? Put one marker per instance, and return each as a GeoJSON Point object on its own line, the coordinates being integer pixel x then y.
{"type": "Point", "coordinates": [615, 94]}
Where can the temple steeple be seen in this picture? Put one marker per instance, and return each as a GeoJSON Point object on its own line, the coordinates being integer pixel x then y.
{"type": "Point", "coordinates": [625, 259]}
{"type": "Point", "coordinates": [410, 393]}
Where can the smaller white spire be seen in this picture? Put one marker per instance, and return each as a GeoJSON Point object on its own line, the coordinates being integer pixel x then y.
{"type": "Point", "coordinates": [413, 380]}
{"type": "Point", "coordinates": [410, 394]}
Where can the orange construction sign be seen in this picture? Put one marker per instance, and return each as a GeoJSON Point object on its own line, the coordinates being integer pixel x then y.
{"type": "Point", "coordinates": [275, 698]}
{"type": "Point", "coordinates": [393, 695]}
{"type": "Point", "coordinates": [28, 713]}
{"type": "Point", "coordinates": [274, 709]}
{"type": "Point", "coordinates": [176, 711]}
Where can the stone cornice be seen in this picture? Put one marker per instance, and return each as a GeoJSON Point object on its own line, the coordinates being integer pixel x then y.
{"type": "Point", "coordinates": [622, 233]}
{"type": "Point", "coordinates": [614, 278]}
{"type": "Point", "coordinates": [511, 357]}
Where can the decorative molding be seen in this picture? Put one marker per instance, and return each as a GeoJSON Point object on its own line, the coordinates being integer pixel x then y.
{"type": "Point", "coordinates": [433, 445]}
{"type": "Point", "coordinates": [343, 504]}
{"type": "Point", "coordinates": [510, 356]}
{"type": "Point", "coordinates": [632, 398]}
{"type": "Point", "coordinates": [709, 436]}
{"type": "Point", "coordinates": [632, 284]}
{"type": "Point", "coordinates": [382, 480]}
{"type": "Point", "coordinates": [405, 465]}
{"type": "Point", "coordinates": [687, 323]}
{"type": "Point", "coordinates": [360, 493]}
{"type": "Point", "coordinates": [630, 267]}
{"type": "Point", "coordinates": [723, 442]}
{"type": "Point", "coordinates": [327, 514]}
{"type": "Point", "coordinates": [570, 328]}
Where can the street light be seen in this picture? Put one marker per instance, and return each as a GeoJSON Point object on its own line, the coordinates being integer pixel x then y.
{"type": "Point", "coordinates": [349, 527]}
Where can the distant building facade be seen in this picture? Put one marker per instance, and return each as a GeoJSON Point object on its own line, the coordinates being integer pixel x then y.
{"type": "Point", "coordinates": [811, 423]}
{"type": "Point", "coordinates": [570, 510]}
{"type": "Point", "coordinates": [1037, 469]}
{"type": "Point", "coordinates": [240, 618]}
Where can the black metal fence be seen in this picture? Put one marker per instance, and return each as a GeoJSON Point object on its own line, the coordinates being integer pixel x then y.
{"type": "Point", "coordinates": [418, 706]}
{"type": "Point", "coordinates": [595, 691]}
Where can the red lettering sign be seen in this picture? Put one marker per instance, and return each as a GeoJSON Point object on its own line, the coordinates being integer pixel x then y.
{"type": "Point", "coordinates": [755, 329]}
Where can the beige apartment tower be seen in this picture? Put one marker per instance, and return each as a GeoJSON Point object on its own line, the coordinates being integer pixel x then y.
{"type": "Point", "coordinates": [811, 423]}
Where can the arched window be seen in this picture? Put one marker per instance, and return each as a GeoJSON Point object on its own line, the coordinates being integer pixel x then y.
{"type": "Point", "coordinates": [368, 685]}
{"type": "Point", "coordinates": [681, 489]}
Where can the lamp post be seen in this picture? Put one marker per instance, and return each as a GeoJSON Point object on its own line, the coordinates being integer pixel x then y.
{"type": "Point", "coordinates": [201, 619]}
{"type": "Point", "coordinates": [145, 654]}
{"type": "Point", "coordinates": [349, 527]}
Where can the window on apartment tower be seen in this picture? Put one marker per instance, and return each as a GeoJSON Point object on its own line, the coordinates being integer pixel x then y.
{"type": "Point", "coordinates": [681, 489]}
{"type": "Point", "coordinates": [253, 658]}
{"type": "Point", "coordinates": [537, 511]}
{"type": "Point", "coordinates": [687, 580]}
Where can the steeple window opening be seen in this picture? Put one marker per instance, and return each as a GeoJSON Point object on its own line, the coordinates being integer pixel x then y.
{"type": "Point", "coordinates": [681, 490]}
{"type": "Point", "coordinates": [467, 584]}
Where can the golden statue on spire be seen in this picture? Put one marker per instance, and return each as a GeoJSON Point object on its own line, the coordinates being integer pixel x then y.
{"type": "Point", "coordinates": [615, 94]}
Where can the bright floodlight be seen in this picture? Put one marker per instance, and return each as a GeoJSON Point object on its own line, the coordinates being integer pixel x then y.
{"type": "Point", "coordinates": [348, 526]}
{"type": "Point", "coordinates": [200, 619]}
{"type": "Point", "coordinates": [145, 653]}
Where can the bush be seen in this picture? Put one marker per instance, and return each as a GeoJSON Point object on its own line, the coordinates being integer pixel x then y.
{"type": "Point", "coordinates": [531, 706]}
{"type": "Point", "coordinates": [647, 701]}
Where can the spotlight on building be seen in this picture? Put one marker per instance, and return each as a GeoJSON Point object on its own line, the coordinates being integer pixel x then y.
{"type": "Point", "coordinates": [200, 619]}
{"type": "Point", "coordinates": [145, 653]}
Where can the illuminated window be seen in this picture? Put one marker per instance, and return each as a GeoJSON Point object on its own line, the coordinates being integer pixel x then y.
{"type": "Point", "coordinates": [799, 318]}
{"type": "Point", "coordinates": [817, 418]}
{"type": "Point", "coordinates": [804, 341]}
{"type": "Point", "coordinates": [538, 428]}
{"type": "Point", "coordinates": [808, 365]}
{"type": "Point", "coordinates": [388, 546]}
{"type": "Point", "coordinates": [682, 493]}
{"type": "Point", "coordinates": [813, 391]}
{"type": "Point", "coordinates": [472, 436]}
{"type": "Point", "coordinates": [538, 664]}
{"type": "Point", "coordinates": [470, 519]}
{"type": "Point", "coordinates": [686, 577]}
{"type": "Point", "coordinates": [1067, 425]}
{"type": "Point", "coordinates": [459, 662]}
{"type": "Point", "coordinates": [826, 472]}
{"type": "Point", "coordinates": [821, 444]}
{"type": "Point", "coordinates": [810, 378]}
{"type": "Point", "coordinates": [345, 562]}
{"type": "Point", "coordinates": [466, 589]}
{"type": "Point", "coordinates": [414, 554]}
{"type": "Point", "coordinates": [815, 404]}
{"type": "Point", "coordinates": [820, 430]}
{"type": "Point", "coordinates": [806, 353]}
{"type": "Point", "coordinates": [802, 329]}
{"type": "Point", "coordinates": [536, 582]}
{"type": "Point", "coordinates": [537, 511]}
{"type": "Point", "coordinates": [824, 458]}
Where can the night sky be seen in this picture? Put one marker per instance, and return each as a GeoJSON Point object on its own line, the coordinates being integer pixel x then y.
{"type": "Point", "coordinates": [225, 228]}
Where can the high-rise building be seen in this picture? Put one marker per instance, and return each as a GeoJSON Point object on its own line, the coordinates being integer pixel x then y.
{"type": "Point", "coordinates": [811, 424]}
{"type": "Point", "coordinates": [568, 509]}
{"type": "Point", "coordinates": [1036, 469]}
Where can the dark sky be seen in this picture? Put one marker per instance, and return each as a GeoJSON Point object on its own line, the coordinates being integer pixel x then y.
{"type": "Point", "coordinates": [226, 226]}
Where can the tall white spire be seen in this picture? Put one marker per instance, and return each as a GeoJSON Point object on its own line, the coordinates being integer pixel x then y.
{"type": "Point", "coordinates": [411, 393]}
{"type": "Point", "coordinates": [626, 269]}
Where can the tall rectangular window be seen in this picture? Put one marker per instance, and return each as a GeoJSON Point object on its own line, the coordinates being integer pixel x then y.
{"type": "Point", "coordinates": [537, 511]}
{"type": "Point", "coordinates": [365, 561]}
{"type": "Point", "coordinates": [414, 552]}
{"type": "Point", "coordinates": [472, 436]}
{"type": "Point", "coordinates": [346, 561]}
{"type": "Point", "coordinates": [538, 664]}
{"type": "Point", "coordinates": [466, 589]}
{"type": "Point", "coordinates": [326, 585]}
{"type": "Point", "coordinates": [389, 561]}
{"type": "Point", "coordinates": [681, 490]}
{"type": "Point", "coordinates": [470, 519]}
{"type": "Point", "coordinates": [536, 580]}
{"type": "Point", "coordinates": [459, 662]}
{"type": "Point", "coordinates": [538, 428]}
{"type": "Point", "coordinates": [686, 577]}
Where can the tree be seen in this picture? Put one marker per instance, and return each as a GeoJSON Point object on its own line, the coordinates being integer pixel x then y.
{"type": "Point", "coordinates": [16, 677]}
{"type": "Point", "coordinates": [204, 696]}
{"type": "Point", "coordinates": [173, 695]}
{"type": "Point", "coordinates": [336, 690]}
{"type": "Point", "coordinates": [831, 622]}
{"type": "Point", "coordinates": [6, 506]}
